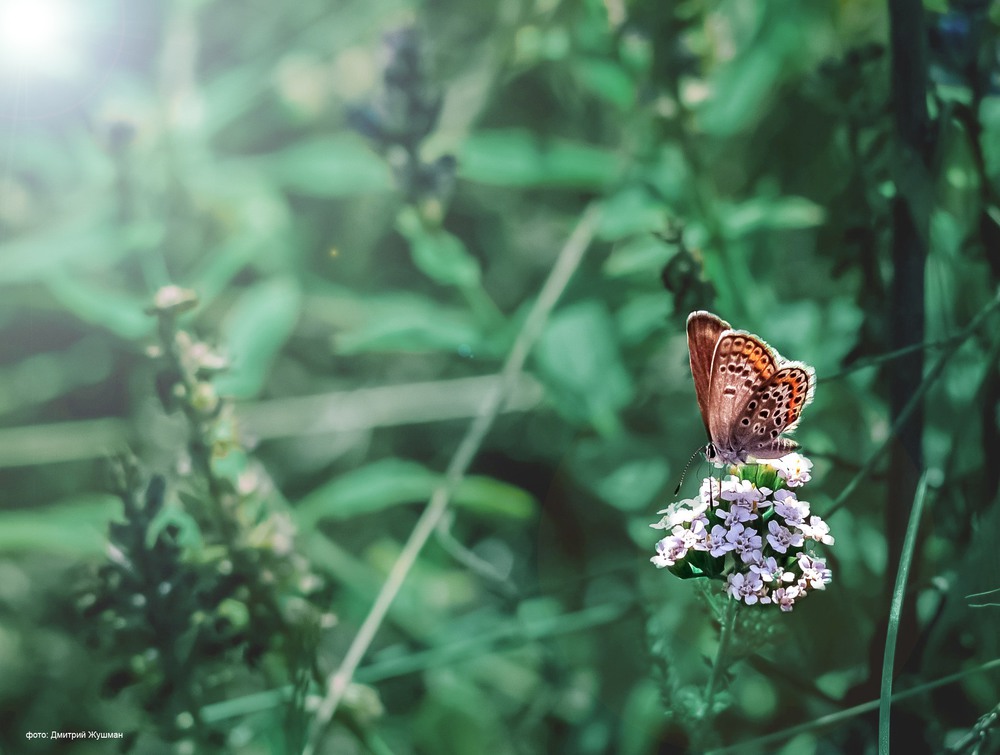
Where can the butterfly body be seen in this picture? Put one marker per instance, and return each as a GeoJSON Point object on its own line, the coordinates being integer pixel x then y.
{"type": "Point", "coordinates": [749, 395]}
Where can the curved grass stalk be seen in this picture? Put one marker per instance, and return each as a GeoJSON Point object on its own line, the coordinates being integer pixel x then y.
{"type": "Point", "coordinates": [832, 719]}
{"type": "Point", "coordinates": [896, 608]}
{"type": "Point", "coordinates": [889, 356]}
{"type": "Point", "coordinates": [929, 379]}
{"type": "Point", "coordinates": [566, 264]}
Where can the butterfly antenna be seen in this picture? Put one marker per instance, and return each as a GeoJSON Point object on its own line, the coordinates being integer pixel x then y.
{"type": "Point", "coordinates": [686, 468]}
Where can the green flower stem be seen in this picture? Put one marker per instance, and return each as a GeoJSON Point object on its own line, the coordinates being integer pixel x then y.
{"type": "Point", "coordinates": [726, 632]}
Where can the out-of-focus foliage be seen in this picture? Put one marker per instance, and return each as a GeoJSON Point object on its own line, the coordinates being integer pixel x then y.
{"type": "Point", "coordinates": [366, 198]}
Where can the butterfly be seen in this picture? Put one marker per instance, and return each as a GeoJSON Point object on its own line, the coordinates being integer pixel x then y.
{"type": "Point", "coordinates": [749, 395]}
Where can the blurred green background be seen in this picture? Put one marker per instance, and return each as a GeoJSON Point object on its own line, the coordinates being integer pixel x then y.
{"type": "Point", "coordinates": [366, 199]}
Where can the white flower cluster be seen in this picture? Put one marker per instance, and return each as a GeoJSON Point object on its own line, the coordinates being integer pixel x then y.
{"type": "Point", "coordinates": [749, 534]}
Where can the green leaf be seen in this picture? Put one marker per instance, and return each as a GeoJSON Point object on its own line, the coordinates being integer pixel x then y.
{"type": "Point", "coordinates": [631, 211]}
{"type": "Point", "coordinates": [578, 356]}
{"type": "Point", "coordinates": [120, 313]}
{"type": "Point", "coordinates": [254, 331]}
{"type": "Point", "coordinates": [774, 213]}
{"type": "Point", "coordinates": [407, 323]}
{"type": "Point", "coordinates": [518, 158]}
{"type": "Point", "coordinates": [335, 166]}
{"type": "Point", "coordinates": [626, 474]}
{"type": "Point", "coordinates": [643, 255]}
{"type": "Point", "coordinates": [607, 80]}
{"type": "Point", "coordinates": [392, 482]}
{"type": "Point", "coordinates": [491, 497]}
{"type": "Point", "coordinates": [92, 241]}
{"type": "Point", "coordinates": [76, 528]}
{"type": "Point", "coordinates": [989, 113]}
{"type": "Point", "coordinates": [439, 255]}
{"type": "Point", "coordinates": [642, 316]}
{"type": "Point", "coordinates": [670, 174]}
{"type": "Point", "coordinates": [188, 531]}
{"type": "Point", "coordinates": [371, 488]}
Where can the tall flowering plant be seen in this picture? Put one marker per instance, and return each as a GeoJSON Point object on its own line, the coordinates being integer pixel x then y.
{"type": "Point", "coordinates": [750, 529]}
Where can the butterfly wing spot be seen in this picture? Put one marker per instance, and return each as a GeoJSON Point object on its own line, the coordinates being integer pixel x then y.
{"type": "Point", "coordinates": [747, 393]}
{"type": "Point", "coordinates": [750, 394]}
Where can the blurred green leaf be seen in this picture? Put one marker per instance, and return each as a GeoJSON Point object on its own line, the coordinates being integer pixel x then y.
{"type": "Point", "coordinates": [77, 527]}
{"type": "Point", "coordinates": [492, 497]}
{"type": "Point", "coordinates": [335, 166]}
{"type": "Point", "coordinates": [608, 80]}
{"type": "Point", "coordinates": [670, 174]}
{"type": "Point", "coordinates": [408, 323]}
{"type": "Point", "coordinates": [254, 331]}
{"type": "Point", "coordinates": [626, 474]}
{"type": "Point", "coordinates": [643, 255]}
{"type": "Point", "coordinates": [120, 313]}
{"type": "Point", "coordinates": [42, 377]}
{"type": "Point", "coordinates": [630, 211]}
{"type": "Point", "coordinates": [777, 213]}
{"type": "Point", "coordinates": [188, 533]}
{"type": "Point", "coordinates": [990, 115]}
{"type": "Point", "coordinates": [643, 719]}
{"type": "Point", "coordinates": [743, 87]}
{"type": "Point", "coordinates": [391, 482]}
{"type": "Point", "coordinates": [91, 241]}
{"type": "Point", "coordinates": [223, 263]}
{"type": "Point", "coordinates": [440, 255]}
{"type": "Point", "coordinates": [578, 356]}
{"type": "Point", "coordinates": [518, 158]}
{"type": "Point", "coordinates": [371, 488]}
{"type": "Point", "coordinates": [643, 315]}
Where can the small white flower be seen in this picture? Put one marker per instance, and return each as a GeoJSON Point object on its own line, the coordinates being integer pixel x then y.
{"type": "Point", "coordinates": [745, 587]}
{"type": "Point", "coordinates": [794, 469]}
{"type": "Point", "coordinates": [785, 597]}
{"type": "Point", "coordinates": [743, 492]}
{"type": "Point", "coordinates": [781, 538]}
{"type": "Point", "coordinates": [681, 512]}
{"type": "Point", "coordinates": [669, 551]}
{"type": "Point", "coordinates": [736, 515]}
{"type": "Point", "coordinates": [817, 530]}
{"type": "Point", "coordinates": [815, 575]}
{"type": "Point", "coordinates": [789, 508]}
{"type": "Point", "coordinates": [719, 543]}
{"type": "Point", "coordinates": [746, 542]}
{"type": "Point", "coordinates": [769, 570]}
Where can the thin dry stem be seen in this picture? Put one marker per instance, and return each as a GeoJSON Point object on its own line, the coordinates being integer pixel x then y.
{"type": "Point", "coordinates": [565, 265]}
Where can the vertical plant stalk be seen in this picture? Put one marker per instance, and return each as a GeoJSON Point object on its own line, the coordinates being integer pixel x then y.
{"type": "Point", "coordinates": [726, 631]}
{"type": "Point", "coordinates": [895, 611]}
{"type": "Point", "coordinates": [565, 266]}
{"type": "Point", "coordinates": [910, 216]}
